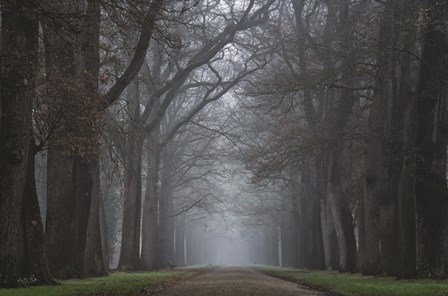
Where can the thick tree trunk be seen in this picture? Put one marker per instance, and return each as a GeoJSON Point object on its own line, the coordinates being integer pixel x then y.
{"type": "Point", "coordinates": [431, 145]}
{"type": "Point", "coordinates": [342, 216]}
{"type": "Point", "coordinates": [61, 233]}
{"type": "Point", "coordinates": [317, 253]}
{"type": "Point", "coordinates": [61, 230]}
{"type": "Point", "coordinates": [19, 41]}
{"type": "Point", "coordinates": [70, 197]}
{"type": "Point", "coordinates": [72, 156]}
{"type": "Point", "coordinates": [402, 169]}
{"type": "Point", "coordinates": [93, 253]}
{"type": "Point", "coordinates": [330, 239]}
{"type": "Point", "coordinates": [35, 260]}
{"type": "Point", "coordinates": [389, 199]}
{"type": "Point", "coordinates": [316, 249]}
{"type": "Point", "coordinates": [310, 228]}
{"type": "Point", "coordinates": [93, 250]}
{"type": "Point", "coordinates": [374, 185]}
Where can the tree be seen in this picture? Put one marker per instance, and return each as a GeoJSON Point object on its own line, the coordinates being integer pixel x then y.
{"type": "Point", "coordinates": [72, 61]}
{"type": "Point", "coordinates": [21, 232]}
{"type": "Point", "coordinates": [430, 143]}
{"type": "Point", "coordinates": [164, 96]}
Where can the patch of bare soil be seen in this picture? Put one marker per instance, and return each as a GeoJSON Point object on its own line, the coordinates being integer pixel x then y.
{"type": "Point", "coordinates": [237, 281]}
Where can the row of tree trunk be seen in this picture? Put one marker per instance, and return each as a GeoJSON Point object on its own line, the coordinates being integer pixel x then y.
{"type": "Point", "coordinates": [394, 221]}
{"type": "Point", "coordinates": [71, 245]}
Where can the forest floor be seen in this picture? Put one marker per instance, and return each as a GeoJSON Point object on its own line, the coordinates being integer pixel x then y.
{"type": "Point", "coordinates": [238, 281]}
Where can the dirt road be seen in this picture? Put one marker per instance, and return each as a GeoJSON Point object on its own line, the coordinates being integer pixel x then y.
{"type": "Point", "coordinates": [236, 281]}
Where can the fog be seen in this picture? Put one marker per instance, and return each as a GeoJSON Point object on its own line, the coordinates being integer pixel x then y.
{"type": "Point", "coordinates": [154, 134]}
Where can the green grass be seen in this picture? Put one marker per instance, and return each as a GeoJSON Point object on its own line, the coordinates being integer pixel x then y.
{"type": "Point", "coordinates": [356, 284]}
{"type": "Point", "coordinates": [117, 284]}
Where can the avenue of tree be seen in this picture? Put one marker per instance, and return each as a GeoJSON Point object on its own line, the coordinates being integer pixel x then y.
{"type": "Point", "coordinates": [121, 121]}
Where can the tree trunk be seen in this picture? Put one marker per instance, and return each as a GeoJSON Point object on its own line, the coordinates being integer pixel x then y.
{"type": "Point", "coordinates": [130, 243]}
{"type": "Point", "coordinates": [295, 235]}
{"type": "Point", "coordinates": [361, 228]}
{"type": "Point", "coordinates": [374, 183]}
{"type": "Point", "coordinates": [41, 182]}
{"type": "Point", "coordinates": [107, 256]}
{"type": "Point", "coordinates": [402, 170]}
{"type": "Point", "coordinates": [180, 240]}
{"type": "Point", "coordinates": [189, 247]}
{"type": "Point", "coordinates": [389, 199]}
{"type": "Point", "coordinates": [19, 41]}
{"type": "Point", "coordinates": [166, 214]}
{"type": "Point", "coordinates": [72, 156]}
{"type": "Point", "coordinates": [35, 260]}
{"type": "Point", "coordinates": [150, 205]}
{"type": "Point", "coordinates": [342, 216]}
{"type": "Point", "coordinates": [62, 229]}
{"type": "Point", "coordinates": [93, 253]}
{"type": "Point", "coordinates": [330, 239]}
{"type": "Point", "coordinates": [69, 212]}
{"type": "Point", "coordinates": [285, 233]}
{"type": "Point", "coordinates": [310, 230]}
{"type": "Point", "coordinates": [285, 246]}
{"type": "Point", "coordinates": [431, 143]}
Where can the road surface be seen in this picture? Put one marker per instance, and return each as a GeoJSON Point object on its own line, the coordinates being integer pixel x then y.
{"type": "Point", "coordinates": [237, 281]}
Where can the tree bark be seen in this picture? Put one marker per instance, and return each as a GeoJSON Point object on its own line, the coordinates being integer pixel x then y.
{"type": "Point", "coordinates": [35, 260]}
{"type": "Point", "coordinates": [19, 46]}
{"type": "Point", "coordinates": [104, 231]}
{"type": "Point", "coordinates": [74, 142]}
{"type": "Point", "coordinates": [166, 213]}
{"type": "Point", "coordinates": [431, 143]}
{"type": "Point", "coordinates": [150, 205]}
{"type": "Point", "coordinates": [331, 246]}
{"type": "Point", "coordinates": [93, 253]}
{"type": "Point", "coordinates": [130, 243]}
{"type": "Point", "coordinates": [374, 185]}
{"type": "Point", "coordinates": [310, 227]}
{"type": "Point", "coordinates": [61, 229]}
{"type": "Point", "coordinates": [342, 216]}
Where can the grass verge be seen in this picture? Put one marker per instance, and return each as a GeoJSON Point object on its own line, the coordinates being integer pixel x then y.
{"type": "Point", "coordinates": [356, 284]}
{"type": "Point", "coordinates": [116, 284]}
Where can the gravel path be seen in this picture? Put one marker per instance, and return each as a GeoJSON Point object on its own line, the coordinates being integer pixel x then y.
{"type": "Point", "coordinates": [237, 281]}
